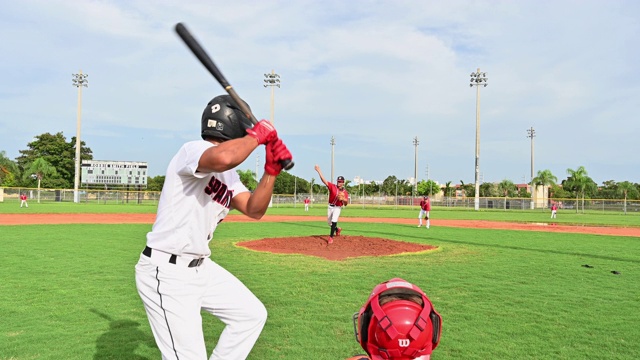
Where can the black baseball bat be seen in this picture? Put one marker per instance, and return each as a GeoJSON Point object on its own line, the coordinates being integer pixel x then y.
{"type": "Point", "coordinates": [208, 63]}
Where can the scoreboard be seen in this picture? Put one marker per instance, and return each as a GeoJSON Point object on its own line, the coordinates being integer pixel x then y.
{"type": "Point", "coordinates": [114, 172]}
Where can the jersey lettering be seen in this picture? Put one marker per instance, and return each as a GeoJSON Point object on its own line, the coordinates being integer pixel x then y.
{"type": "Point", "coordinates": [219, 192]}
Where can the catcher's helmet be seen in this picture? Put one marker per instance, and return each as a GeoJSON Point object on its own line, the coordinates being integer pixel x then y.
{"type": "Point", "coordinates": [340, 179]}
{"type": "Point", "coordinates": [223, 119]}
{"type": "Point", "coordinates": [397, 322]}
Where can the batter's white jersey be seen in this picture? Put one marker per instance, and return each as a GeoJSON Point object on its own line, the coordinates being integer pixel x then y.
{"type": "Point", "coordinates": [192, 204]}
{"type": "Point", "coordinates": [174, 276]}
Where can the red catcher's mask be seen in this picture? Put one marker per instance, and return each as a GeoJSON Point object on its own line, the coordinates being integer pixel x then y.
{"type": "Point", "coordinates": [400, 328]}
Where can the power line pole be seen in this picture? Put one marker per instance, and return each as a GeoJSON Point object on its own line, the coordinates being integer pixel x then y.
{"type": "Point", "coordinates": [415, 167]}
{"type": "Point", "coordinates": [333, 143]}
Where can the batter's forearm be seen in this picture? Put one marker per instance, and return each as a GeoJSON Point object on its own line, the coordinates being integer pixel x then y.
{"type": "Point", "coordinates": [227, 155]}
{"type": "Point", "coordinates": [259, 201]}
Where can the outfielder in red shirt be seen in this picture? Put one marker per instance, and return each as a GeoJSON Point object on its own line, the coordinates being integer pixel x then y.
{"type": "Point", "coordinates": [338, 197]}
{"type": "Point", "coordinates": [23, 200]}
{"type": "Point", "coordinates": [425, 208]}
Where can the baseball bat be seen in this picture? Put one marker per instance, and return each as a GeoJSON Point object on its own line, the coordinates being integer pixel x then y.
{"type": "Point", "coordinates": [208, 63]}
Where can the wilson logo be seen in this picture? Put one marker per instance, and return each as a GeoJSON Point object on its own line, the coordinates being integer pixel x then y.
{"type": "Point", "coordinates": [403, 342]}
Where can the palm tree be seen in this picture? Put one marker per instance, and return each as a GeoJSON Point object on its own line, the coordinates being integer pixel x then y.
{"type": "Point", "coordinates": [626, 188]}
{"type": "Point", "coordinates": [544, 178]}
{"type": "Point", "coordinates": [447, 191]}
{"type": "Point", "coordinates": [579, 180]}
{"type": "Point", "coordinates": [39, 168]}
{"type": "Point", "coordinates": [505, 187]}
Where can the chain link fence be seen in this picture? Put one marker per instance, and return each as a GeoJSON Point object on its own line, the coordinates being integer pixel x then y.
{"type": "Point", "coordinates": [494, 203]}
{"type": "Point", "coordinates": [96, 196]}
{"type": "Point", "coordinates": [84, 195]}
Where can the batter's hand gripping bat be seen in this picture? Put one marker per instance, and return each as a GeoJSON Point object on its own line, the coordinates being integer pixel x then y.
{"type": "Point", "coordinates": [208, 63]}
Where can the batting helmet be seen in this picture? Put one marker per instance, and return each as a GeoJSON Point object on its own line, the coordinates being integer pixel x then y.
{"type": "Point", "coordinates": [223, 119]}
{"type": "Point", "coordinates": [397, 322]}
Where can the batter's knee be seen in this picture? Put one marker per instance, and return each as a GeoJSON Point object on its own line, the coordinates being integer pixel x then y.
{"type": "Point", "coordinates": [259, 315]}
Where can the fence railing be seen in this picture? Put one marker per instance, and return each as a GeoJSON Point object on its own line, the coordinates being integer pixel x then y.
{"type": "Point", "coordinates": [495, 203]}
{"type": "Point", "coordinates": [84, 196]}
{"type": "Point", "coordinates": [96, 196]}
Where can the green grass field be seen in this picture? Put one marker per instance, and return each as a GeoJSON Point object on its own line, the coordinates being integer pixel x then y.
{"type": "Point", "coordinates": [68, 292]}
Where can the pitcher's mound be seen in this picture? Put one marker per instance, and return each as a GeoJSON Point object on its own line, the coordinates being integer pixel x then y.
{"type": "Point", "coordinates": [343, 247]}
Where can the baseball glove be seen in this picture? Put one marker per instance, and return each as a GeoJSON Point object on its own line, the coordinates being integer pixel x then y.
{"type": "Point", "coordinates": [341, 196]}
{"type": "Point", "coordinates": [426, 217]}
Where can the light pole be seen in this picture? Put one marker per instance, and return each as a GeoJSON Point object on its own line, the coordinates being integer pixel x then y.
{"type": "Point", "coordinates": [430, 183]}
{"type": "Point", "coordinates": [415, 168]}
{"type": "Point", "coordinates": [531, 134]}
{"type": "Point", "coordinates": [257, 165]}
{"type": "Point", "coordinates": [333, 144]}
{"type": "Point", "coordinates": [478, 79]}
{"type": "Point", "coordinates": [79, 81]}
{"type": "Point", "coordinates": [272, 80]}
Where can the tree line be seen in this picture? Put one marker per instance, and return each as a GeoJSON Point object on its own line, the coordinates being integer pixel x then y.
{"type": "Point", "coordinates": [48, 161]}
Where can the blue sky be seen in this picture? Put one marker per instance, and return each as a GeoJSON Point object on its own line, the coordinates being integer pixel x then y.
{"type": "Point", "coordinates": [372, 74]}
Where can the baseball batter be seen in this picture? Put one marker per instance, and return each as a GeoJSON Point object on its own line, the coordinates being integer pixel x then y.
{"type": "Point", "coordinates": [175, 277]}
{"type": "Point", "coordinates": [338, 197]}
{"type": "Point", "coordinates": [425, 209]}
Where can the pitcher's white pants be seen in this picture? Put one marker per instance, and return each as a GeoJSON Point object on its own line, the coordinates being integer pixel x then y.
{"type": "Point", "coordinates": [333, 214]}
{"type": "Point", "coordinates": [173, 297]}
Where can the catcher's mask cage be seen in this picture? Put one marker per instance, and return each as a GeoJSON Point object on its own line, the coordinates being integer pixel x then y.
{"type": "Point", "coordinates": [397, 322]}
{"type": "Point", "coordinates": [224, 120]}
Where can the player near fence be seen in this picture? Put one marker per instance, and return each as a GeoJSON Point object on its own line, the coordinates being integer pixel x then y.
{"type": "Point", "coordinates": [338, 197]}
{"type": "Point", "coordinates": [425, 210]}
{"type": "Point", "coordinates": [307, 201]}
{"type": "Point", "coordinates": [175, 277]}
{"type": "Point", "coordinates": [554, 210]}
{"type": "Point", "coordinates": [23, 200]}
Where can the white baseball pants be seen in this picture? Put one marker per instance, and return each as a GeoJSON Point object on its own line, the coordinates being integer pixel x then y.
{"type": "Point", "coordinates": [333, 214]}
{"type": "Point", "coordinates": [173, 296]}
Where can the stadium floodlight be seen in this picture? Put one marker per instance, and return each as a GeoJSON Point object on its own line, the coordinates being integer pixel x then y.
{"type": "Point", "coordinates": [272, 80]}
{"type": "Point", "coordinates": [478, 79]}
{"type": "Point", "coordinates": [79, 81]}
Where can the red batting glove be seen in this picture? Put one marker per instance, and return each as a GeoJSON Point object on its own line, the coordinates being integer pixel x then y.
{"type": "Point", "coordinates": [263, 131]}
{"type": "Point", "coordinates": [276, 152]}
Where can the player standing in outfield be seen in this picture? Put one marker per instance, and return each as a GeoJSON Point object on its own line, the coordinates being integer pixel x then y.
{"type": "Point", "coordinates": [307, 201]}
{"type": "Point", "coordinates": [23, 200]}
{"type": "Point", "coordinates": [338, 197]}
{"type": "Point", "coordinates": [175, 277]}
{"type": "Point", "coordinates": [425, 208]}
{"type": "Point", "coordinates": [554, 210]}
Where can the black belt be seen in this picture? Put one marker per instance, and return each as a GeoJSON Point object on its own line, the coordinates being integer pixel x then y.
{"type": "Point", "coordinates": [172, 259]}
